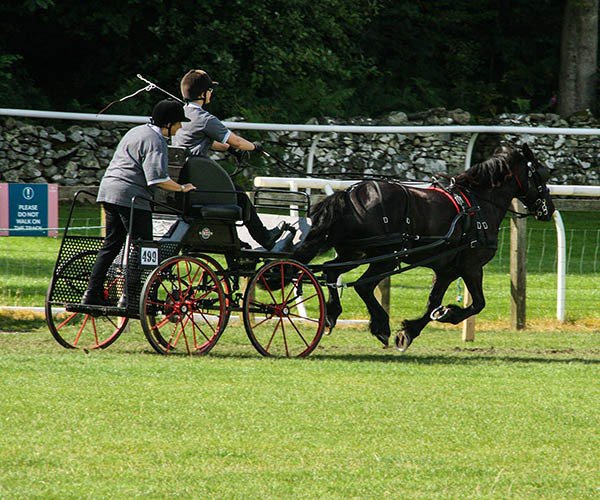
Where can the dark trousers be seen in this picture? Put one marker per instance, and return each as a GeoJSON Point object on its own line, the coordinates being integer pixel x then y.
{"type": "Point", "coordinates": [255, 226]}
{"type": "Point", "coordinates": [117, 226]}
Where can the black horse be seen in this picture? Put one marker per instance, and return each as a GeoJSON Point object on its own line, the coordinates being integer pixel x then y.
{"type": "Point", "coordinates": [451, 229]}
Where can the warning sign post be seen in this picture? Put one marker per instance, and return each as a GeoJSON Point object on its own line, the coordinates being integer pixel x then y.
{"type": "Point", "coordinates": [28, 209]}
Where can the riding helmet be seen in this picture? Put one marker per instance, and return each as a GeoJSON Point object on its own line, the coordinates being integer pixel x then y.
{"type": "Point", "coordinates": [167, 112]}
{"type": "Point", "coordinates": [194, 83]}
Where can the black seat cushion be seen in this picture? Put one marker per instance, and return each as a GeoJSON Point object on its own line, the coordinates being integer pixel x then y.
{"type": "Point", "coordinates": [216, 212]}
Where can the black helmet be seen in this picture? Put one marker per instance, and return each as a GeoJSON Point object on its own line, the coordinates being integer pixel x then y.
{"type": "Point", "coordinates": [167, 112]}
{"type": "Point", "coordinates": [194, 83]}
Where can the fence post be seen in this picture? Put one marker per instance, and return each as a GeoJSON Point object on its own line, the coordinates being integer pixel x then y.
{"type": "Point", "coordinates": [468, 325]}
{"type": "Point", "coordinates": [518, 269]}
{"type": "Point", "coordinates": [383, 293]}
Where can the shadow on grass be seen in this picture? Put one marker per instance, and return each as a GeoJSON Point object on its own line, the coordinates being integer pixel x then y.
{"type": "Point", "coordinates": [450, 358]}
{"type": "Point", "coordinates": [459, 357]}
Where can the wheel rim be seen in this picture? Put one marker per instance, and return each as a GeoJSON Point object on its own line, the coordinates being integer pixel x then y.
{"type": "Point", "coordinates": [75, 330]}
{"type": "Point", "coordinates": [284, 310]}
{"type": "Point", "coordinates": [183, 307]}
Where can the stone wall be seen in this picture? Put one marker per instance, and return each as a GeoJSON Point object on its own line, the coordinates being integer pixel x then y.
{"type": "Point", "coordinates": [78, 154]}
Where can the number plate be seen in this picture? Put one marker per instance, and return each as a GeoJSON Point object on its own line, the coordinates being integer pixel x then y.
{"type": "Point", "coordinates": [149, 256]}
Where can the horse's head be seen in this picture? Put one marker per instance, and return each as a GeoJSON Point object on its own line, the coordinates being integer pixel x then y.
{"type": "Point", "coordinates": [531, 177]}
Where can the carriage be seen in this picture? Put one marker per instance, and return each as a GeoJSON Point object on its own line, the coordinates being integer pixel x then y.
{"type": "Point", "coordinates": [200, 269]}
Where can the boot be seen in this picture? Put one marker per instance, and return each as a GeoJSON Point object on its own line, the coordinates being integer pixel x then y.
{"type": "Point", "coordinates": [274, 234]}
{"type": "Point", "coordinates": [92, 297]}
{"type": "Point", "coordinates": [285, 244]}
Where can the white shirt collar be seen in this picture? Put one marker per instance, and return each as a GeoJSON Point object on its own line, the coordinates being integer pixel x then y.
{"type": "Point", "coordinates": [193, 104]}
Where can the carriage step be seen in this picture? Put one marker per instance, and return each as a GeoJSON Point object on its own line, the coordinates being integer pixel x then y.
{"type": "Point", "coordinates": [96, 310]}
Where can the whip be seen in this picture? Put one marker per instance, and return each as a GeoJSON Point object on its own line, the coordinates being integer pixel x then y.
{"type": "Point", "coordinates": [147, 88]}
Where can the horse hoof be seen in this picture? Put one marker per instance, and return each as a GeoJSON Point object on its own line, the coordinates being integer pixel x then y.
{"type": "Point", "coordinates": [403, 341]}
{"type": "Point", "coordinates": [329, 326]}
{"type": "Point", "coordinates": [384, 339]}
{"type": "Point", "coordinates": [439, 313]}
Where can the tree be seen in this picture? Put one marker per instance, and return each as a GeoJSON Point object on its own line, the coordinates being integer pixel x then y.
{"type": "Point", "coordinates": [579, 53]}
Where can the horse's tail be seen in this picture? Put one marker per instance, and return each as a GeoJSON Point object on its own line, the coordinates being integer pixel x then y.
{"type": "Point", "coordinates": [323, 216]}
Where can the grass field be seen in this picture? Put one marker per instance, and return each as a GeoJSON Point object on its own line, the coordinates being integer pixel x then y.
{"type": "Point", "coordinates": [513, 415]}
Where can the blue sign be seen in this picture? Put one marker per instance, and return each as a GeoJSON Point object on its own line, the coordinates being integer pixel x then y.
{"type": "Point", "coordinates": [28, 209]}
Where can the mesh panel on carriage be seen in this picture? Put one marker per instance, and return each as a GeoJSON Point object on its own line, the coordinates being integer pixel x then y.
{"type": "Point", "coordinates": [216, 197]}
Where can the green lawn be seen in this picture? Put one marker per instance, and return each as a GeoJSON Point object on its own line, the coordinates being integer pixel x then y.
{"type": "Point", "coordinates": [514, 415]}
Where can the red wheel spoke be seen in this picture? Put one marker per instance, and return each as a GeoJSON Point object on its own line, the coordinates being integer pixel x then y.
{"type": "Point", "coordinates": [95, 330]}
{"type": "Point", "coordinates": [114, 323]}
{"type": "Point", "coordinates": [294, 286]}
{"type": "Point", "coordinates": [256, 325]}
{"type": "Point", "coordinates": [66, 321]}
{"type": "Point", "coordinates": [285, 343]}
{"type": "Point", "coordinates": [166, 319]}
{"type": "Point", "coordinates": [187, 344]}
{"type": "Point", "coordinates": [80, 330]}
{"type": "Point", "coordinates": [206, 321]}
{"type": "Point", "coordinates": [298, 331]}
{"type": "Point", "coordinates": [304, 299]}
{"type": "Point", "coordinates": [273, 334]}
{"type": "Point", "coordinates": [282, 274]}
{"type": "Point", "coordinates": [268, 288]}
{"type": "Point", "coordinates": [169, 294]}
{"type": "Point", "coordinates": [304, 318]}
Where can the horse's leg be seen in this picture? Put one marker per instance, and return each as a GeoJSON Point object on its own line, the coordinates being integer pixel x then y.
{"type": "Point", "coordinates": [411, 328]}
{"type": "Point", "coordinates": [380, 321]}
{"type": "Point", "coordinates": [474, 282]}
{"type": "Point", "coordinates": [334, 305]}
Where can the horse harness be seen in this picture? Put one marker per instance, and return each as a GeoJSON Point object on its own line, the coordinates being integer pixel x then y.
{"type": "Point", "coordinates": [475, 230]}
{"type": "Point", "coordinates": [402, 236]}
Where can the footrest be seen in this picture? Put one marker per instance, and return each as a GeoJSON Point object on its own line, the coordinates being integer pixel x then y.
{"type": "Point", "coordinates": [96, 310]}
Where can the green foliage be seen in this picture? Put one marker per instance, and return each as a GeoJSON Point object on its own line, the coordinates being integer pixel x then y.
{"type": "Point", "coordinates": [284, 64]}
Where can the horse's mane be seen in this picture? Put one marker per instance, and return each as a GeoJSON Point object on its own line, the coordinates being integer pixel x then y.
{"type": "Point", "coordinates": [492, 172]}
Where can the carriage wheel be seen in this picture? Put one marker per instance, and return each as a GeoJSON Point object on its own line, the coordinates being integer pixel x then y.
{"type": "Point", "coordinates": [77, 329]}
{"type": "Point", "coordinates": [284, 310]}
{"type": "Point", "coordinates": [183, 307]}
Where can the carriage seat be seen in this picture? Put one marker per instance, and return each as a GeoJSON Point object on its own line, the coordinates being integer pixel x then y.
{"type": "Point", "coordinates": [216, 198]}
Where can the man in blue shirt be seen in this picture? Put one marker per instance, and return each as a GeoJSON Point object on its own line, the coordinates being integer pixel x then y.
{"type": "Point", "coordinates": [203, 132]}
{"type": "Point", "coordinates": [139, 166]}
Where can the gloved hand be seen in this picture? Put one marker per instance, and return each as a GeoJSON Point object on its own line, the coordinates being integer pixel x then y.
{"type": "Point", "coordinates": [238, 154]}
{"type": "Point", "coordinates": [258, 147]}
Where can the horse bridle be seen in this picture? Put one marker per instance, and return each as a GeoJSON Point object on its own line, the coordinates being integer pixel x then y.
{"type": "Point", "coordinates": [536, 187]}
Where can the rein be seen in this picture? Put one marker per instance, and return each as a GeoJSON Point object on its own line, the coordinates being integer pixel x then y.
{"type": "Point", "coordinates": [516, 215]}
{"type": "Point", "coordinates": [346, 175]}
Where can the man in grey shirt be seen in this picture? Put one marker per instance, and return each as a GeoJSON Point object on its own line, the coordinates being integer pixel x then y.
{"type": "Point", "coordinates": [204, 131]}
{"type": "Point", "coordinates": [139, 166]}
